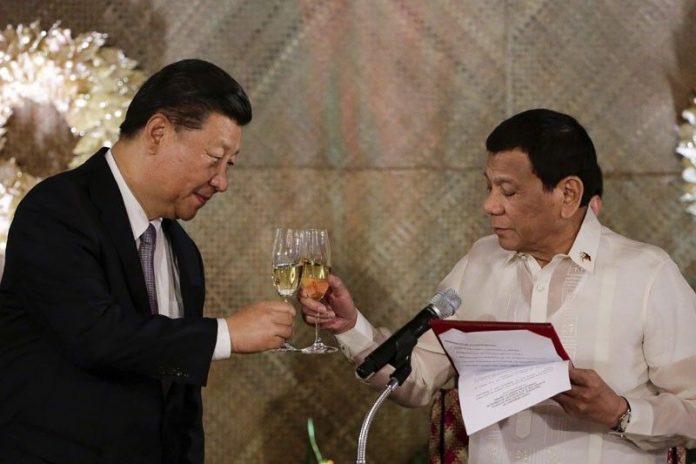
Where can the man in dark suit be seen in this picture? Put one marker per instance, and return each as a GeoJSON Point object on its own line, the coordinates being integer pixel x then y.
{"type": "Point", "coordinates": [103, 345]}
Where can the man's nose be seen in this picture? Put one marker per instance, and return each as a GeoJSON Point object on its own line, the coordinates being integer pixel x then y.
{"type": "Point", "coordinates": [491, 205]}
{"type": "Point", "coordinates": [219, 181]}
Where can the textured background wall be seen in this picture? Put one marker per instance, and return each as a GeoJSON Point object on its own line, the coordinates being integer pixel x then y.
{"type": "Point", "coordinates": [370, 117]}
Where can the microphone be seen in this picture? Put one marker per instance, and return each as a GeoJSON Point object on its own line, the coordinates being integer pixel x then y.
{"type": "Point", "coordinates": [398, 347]}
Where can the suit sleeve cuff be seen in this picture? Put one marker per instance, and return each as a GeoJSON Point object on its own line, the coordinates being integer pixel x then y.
{"type": "Point", "coordinates": [223, 344]}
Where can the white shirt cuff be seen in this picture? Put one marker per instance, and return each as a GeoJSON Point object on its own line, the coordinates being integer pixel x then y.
{"type": "Point", "coordinates": [641, 422]}
{"type": "Point", "coordinates": [357, 339]}
{"type": "Point", "coordinates": [223, 344]}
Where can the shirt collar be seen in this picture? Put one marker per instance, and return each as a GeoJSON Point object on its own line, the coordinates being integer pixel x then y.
{"type": "Point", "coordinates": [585, 247]}
{"type": "Point", "coordinates": [136, 213]}
{"type": "Point", "coordinates": [510, 255]}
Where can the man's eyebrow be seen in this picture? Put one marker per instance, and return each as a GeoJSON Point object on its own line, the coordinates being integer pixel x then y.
{"type": "Point", "coordinates": [500, 179]}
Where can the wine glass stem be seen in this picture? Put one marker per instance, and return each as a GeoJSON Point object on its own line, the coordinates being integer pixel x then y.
{"type": "Point", "coordinates": [316, 331]}
{"type": "Point", "coordinates": [287, 346]}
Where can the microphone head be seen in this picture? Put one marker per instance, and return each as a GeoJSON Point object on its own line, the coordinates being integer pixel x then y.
{"type": "Point", "coordinates": [445, 303]}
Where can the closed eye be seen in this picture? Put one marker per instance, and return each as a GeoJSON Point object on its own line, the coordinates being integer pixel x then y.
{"type": "Point", "coordinates": [216, 158]}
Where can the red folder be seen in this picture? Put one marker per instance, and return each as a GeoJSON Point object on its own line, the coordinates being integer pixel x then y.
{"type": "Point", "coordinates": [541, 328]}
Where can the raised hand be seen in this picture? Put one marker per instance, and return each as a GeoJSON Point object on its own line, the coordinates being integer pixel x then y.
{"type": "Point", "coordinates": [261, 326]}
{"type": "Point", "coordinates": [336, 312]}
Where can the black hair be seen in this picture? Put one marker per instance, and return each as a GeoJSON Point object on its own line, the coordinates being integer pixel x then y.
{"type": "Point", "coordinates": [557, 147]}
{"type": "Point", "coordinates": [187, 92]}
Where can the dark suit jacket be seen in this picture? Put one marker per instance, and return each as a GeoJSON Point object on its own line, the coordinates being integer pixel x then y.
{"type": "Point", "coordinates": [81, 360]}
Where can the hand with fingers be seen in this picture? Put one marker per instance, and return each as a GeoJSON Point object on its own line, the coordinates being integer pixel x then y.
{"type": "Point", "coordinates": [261, 326]}
{"type": "Point", "coordinates": [591, 398]}
{"type": "Point", "coordinates": [336, 311]}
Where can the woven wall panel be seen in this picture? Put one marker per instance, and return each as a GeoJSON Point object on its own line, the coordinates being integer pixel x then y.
{"type": "Point", "coordinates": [364, 210]}
{"type": "Point", "coordinates": [370, 118]}
{"type": "Point", "coordinates": [367, 84]}
{"type": "Point", "coordinates": [630, 208]}
{"type": "Point", "coordinates": [606, 64]}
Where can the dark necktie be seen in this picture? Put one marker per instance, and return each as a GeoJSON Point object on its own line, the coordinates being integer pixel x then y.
{"type": "Point", "coordinates": [147, 258]}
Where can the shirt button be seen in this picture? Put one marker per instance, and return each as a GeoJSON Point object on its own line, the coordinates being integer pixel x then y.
{"type": "Point", "coordinates": [540, 287]}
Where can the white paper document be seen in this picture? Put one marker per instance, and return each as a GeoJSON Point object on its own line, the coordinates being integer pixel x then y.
{"type": "Point", "coordinates": [503, 372]}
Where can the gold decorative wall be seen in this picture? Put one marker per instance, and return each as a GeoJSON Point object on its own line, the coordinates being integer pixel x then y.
{"type": "Point", "coordinates": [370, 117]}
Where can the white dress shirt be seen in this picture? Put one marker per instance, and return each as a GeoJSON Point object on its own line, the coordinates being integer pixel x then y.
{"type": "Point", "coordinates": [620, 307]}
{"type": "Point", "coordinates": [166, 272]}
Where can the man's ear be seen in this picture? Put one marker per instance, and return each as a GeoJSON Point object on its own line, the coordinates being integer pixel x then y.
{"type": "Point", "coordinates": [571, 189]}
{"type": "Point", "coordinates": [154, 131]}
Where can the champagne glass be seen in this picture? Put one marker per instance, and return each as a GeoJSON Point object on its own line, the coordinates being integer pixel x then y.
{"type": "Point", "coordinates": [316, 258]}
{"type": "Point", "coordinates": [286, 267]}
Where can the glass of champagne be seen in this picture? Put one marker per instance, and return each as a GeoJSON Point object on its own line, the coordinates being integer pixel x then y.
{"type": "Point", "coordinates": [316, 267]}
{"type": "Point", "coordinates": [287, 267]}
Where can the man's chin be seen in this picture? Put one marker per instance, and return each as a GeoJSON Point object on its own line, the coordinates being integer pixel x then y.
{"type": "Point", "coordinates": [506, 244]}
{"type": "Point", "coordinates": [186, 215]}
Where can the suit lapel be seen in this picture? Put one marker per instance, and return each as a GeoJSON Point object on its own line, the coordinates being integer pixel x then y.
{"type": "Point", "coordinates": [188, 263]}
{"type": "Point", "coordinates": [107, 198]}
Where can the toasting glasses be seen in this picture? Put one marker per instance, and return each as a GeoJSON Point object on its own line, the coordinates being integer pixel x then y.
{"type": "Point", "coordinates": [302, 258]}
{"type": "Point", "coordinates": [287, 267]}
{"type": "Point", "coordinates": [316, 267]}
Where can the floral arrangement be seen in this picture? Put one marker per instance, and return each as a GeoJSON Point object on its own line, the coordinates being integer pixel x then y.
{"type": "Point", "coordinates": [80, 80]}
{"type": "Point", "coordinates": [687, 149]}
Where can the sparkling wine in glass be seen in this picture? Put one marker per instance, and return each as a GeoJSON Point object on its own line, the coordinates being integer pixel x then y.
{"type": "Point", "coordinates": [316, 267]}
{"type": "Point", "coordinates": [287, 267]}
